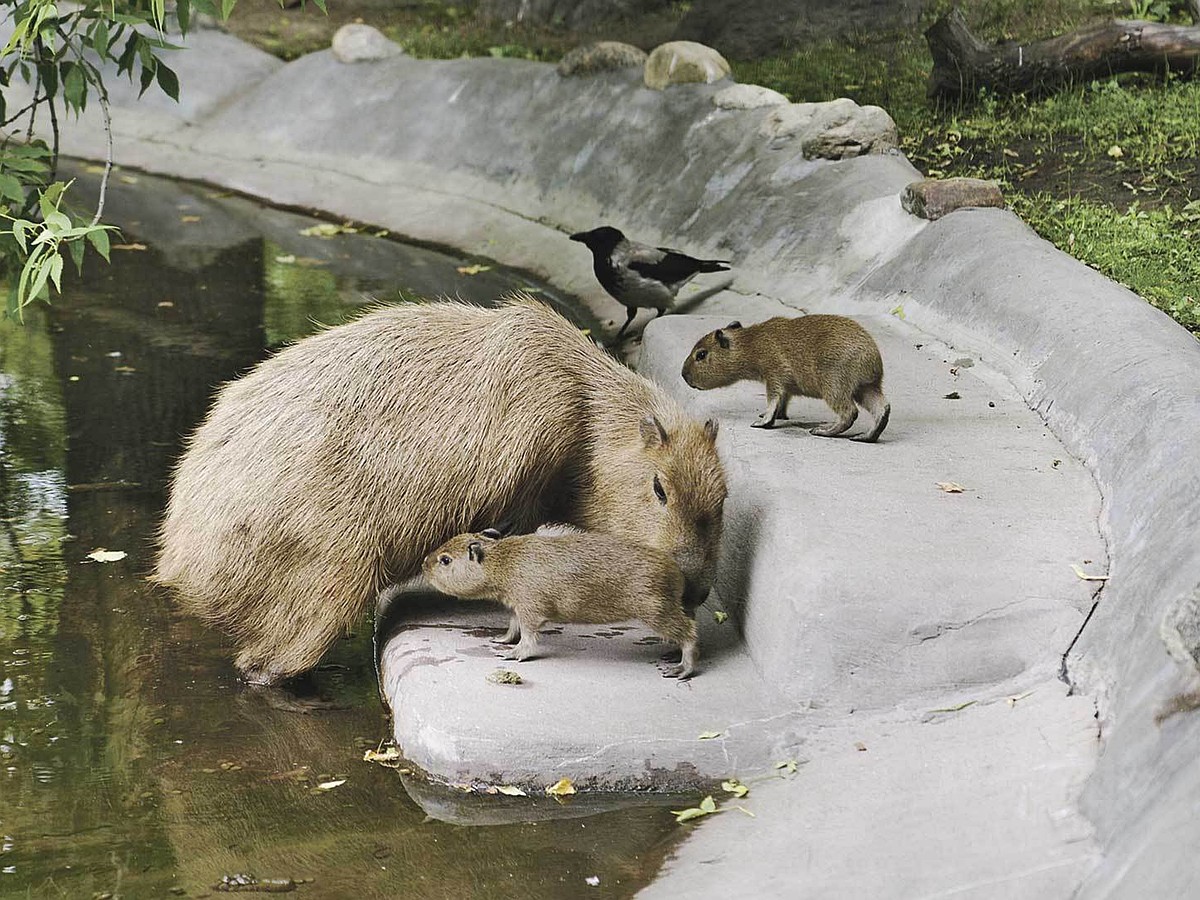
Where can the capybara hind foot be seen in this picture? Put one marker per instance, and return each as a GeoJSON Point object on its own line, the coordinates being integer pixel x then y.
{"type": "Point", "coordinates": [687, 666]}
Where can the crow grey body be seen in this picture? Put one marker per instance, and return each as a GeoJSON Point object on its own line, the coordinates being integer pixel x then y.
{"type": "Point", "coordinates": [640, 276]}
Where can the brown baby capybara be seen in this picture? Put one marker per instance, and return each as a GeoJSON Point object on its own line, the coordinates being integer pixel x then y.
{"type": "Point", "coordinates": [583, 577]}
{"type": "Point", "coordinates": [829, 357]}
{"type": "Point", "coordinates": [331, 469]}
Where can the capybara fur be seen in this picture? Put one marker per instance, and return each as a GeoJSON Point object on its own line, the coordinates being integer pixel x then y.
{"type": "Point", "coordinates": [331, 469]}
{"type": "Point", "coordinates": [829, 357]}
{"type": "Point", "coordinates": [585, 577]}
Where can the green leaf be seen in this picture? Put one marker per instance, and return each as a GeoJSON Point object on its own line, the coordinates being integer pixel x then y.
{"type": "Point", "coordinates": [38, 282]}
{"type": "Point", "coordinates": [183, 13]}
{"type": "Point", "coordinates": [226, 8]}
{"type": "Point", "coordinates": [128, 55]}
{"type": "Point", "coordinates": [49, 74]}
{"type": "Point", "coordinates": [75, 87]}
{"type": "Point", "coordinates": [168, 81]}
{"type": "Point", "coordinates": [709, 735]}
{"type": "Point", "coordinates": [686, 815]}
{"type": "Point", "coordinates": [55, 267]}
{"type": "Point", "coordinates": [147, 78]}
{"type": "Point", "coordinates": [101, 38]}
{"type": "Point", "coordinates": [708, 804]}
{"type": "Point", "coordinates": [11, 188]}
{"type": "Point", "coordinates": [18, 230]}
{"type": "Point", "coordinates": [58, 222]}
{"type": "Point", "coordinates": [320, 4]}
{"type": "Point", "coordinates": [99, 240]}
{"type": "Point", "coordinates": [77, 248]}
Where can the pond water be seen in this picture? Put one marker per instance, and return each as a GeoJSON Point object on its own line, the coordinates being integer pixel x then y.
{"type": "Point", "coordinates": [132, 762]}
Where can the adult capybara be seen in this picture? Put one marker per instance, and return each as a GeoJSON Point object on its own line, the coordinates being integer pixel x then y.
{"type": "Point", "coordinates": [331, 470]}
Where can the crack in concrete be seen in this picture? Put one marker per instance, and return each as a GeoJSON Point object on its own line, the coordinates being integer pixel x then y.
{"type": "Point", "coordinates": [945, 627]}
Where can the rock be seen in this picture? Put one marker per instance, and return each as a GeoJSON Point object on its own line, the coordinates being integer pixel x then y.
{"type": "Point", "coordinates": [837, 129]}
{"type": "Point", "coordinates": [748, 29]}
{"type": "Point", "coordinates": [933, 198]}
{"type": "Point", "coordinates": [602, 56]}
{"type": "Point", "coordinates": [748, 96]}
{"type": "Point", "coordinates": [356, 43]}
{"type": "Point", "coordinates": [684, 62]}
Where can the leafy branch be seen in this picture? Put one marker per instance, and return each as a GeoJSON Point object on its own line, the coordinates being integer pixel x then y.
{"type": "Point", "coordinates": [62, 54]}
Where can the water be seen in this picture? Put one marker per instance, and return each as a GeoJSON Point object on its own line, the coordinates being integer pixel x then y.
{"type": "Point", "coordinates": [132, 763]}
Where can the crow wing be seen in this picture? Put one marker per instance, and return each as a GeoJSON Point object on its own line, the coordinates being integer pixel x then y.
{"type": "Point", "coordinates": [670, 266]}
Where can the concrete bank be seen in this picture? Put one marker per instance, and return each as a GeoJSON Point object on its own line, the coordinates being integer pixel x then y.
{"type": "Point", "coordinates": [903, 645]}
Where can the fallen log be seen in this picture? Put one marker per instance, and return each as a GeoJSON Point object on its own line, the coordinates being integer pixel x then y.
{"type": "Point", "coordinates": [962, 64]}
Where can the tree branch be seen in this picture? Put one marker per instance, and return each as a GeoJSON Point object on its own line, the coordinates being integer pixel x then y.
{"type": "Point", "coordinates": [962, 64]}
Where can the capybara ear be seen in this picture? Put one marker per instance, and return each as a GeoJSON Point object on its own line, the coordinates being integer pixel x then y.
{"type": "Point", "coordinates": [710, 430]}
{"type": "Point", "coordinates": [734, 324]}
{"type": "Point", "coordinates": [475, 551]}
{"type": "Point", "coordinates": [722, 338]}
{"type": "Point", "coordinates": [492, 534]}
{"type": "Point", "coordinates": [653, 432]}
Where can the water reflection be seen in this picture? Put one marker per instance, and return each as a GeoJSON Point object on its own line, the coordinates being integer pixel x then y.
{"type": "Point", "coordinates": [131, 761]}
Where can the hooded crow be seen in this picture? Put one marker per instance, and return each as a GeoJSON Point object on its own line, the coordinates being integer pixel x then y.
{"type": "Point", "coordinates": [640, 276]}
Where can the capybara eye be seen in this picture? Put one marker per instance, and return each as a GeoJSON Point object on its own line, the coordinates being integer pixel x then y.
{"type": "Point", "coordinates": [659, 492]}
{"type": "Point", "coordinates": [445, 559]}
{"type": "Point", "coordinates": [701, 354]}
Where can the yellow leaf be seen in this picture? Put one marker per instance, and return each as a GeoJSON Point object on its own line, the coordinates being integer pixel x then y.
{"type": "Point", "coordinates": [1085, 576]}
{"type": "Point", "coordinates": [510, 790]}
{"type": "Point", "coordinates": [1115, 151]}
{"type": "Point", "coordinates": [561, 788]}
{"type": "Point", "coordinates": [106, 556]}
{"type": "Point", "coordinates": [473, 270]}
{"type": "Point", "coordinates": [720, 616]}
{"type": "Point", "coordinates": [709, 735]}
{"type": "Point", "coordinates": [189, 219]}
{"type": "Point", "coordinates": [327, 230]}
{"type": "Point", "coordinates": [330, 785]}
{"type": "Point", "coordinates": [735, 787]}
{"type": "Point", "coordinates": [287, 259]}
{"type": "Point", "coordinates": [384, 756]}
{"type": "Point", "coordinates": [951, 487]}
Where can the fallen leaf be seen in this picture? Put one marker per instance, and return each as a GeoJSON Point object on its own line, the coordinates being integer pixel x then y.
{"type": "Point", "coordinates": [720, 616]}
{"type": "Point", "coordinates": [287, 259]}
{"type": "Point", "coordinates": [1115, 151]}
{"type": "Point", "coordinates": [129, 179]}
{"type": "Point", "coordinates": [1084, 576]}
{"type": "Point", "coordinates": [709, 735]}
{"type": "Point", "coordinates": [133, 246]}
{"type": "Point", "coordinates": [788, 765]}
{"type": "Point", "coordinates": [330, 785]}
{"type": "Point", "coordinates": [592, 880]}
{"type": "Point", "coordinates": [189, 219]}
{"type": "Point", "coordinates": [505, 676]}
{"type": "Point", "coordinates": [473, 270]}
{"type": "Point", "coordinates": [898, 312]}
{"type": "Point", "coordinates": [326, 230]}
{"type": "Point", "coordinates": [950, 709]}
{"type": "Point", "coordinates": [1012, 701]}
{"type": "Point", "coordinates": [383, 757]}
{"type": "Point", "coordinates": [735, 787]}
{"type": "Point", "coordinates": [509, 790]}
{"type": "Point", "coordinates": [1010, 153]}
{"type": "Point", "coordinates": [860, 746]}
{"type": "Point", "coordinates": [124, 369]}
{"type": "Point", "coordinates": [951, 487]}
{"type": "Point", "coordinates": [165, 304]}
{"type": "Point", "coordinates": [106, 556]}
{"type": "Point", "coordinates": [561, 788]}
{"type": "Point", "coordinates": [707, 807]}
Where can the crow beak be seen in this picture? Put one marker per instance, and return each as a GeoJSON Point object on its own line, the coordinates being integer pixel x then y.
{"type": "Point", "coordinates": [580, 236]}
